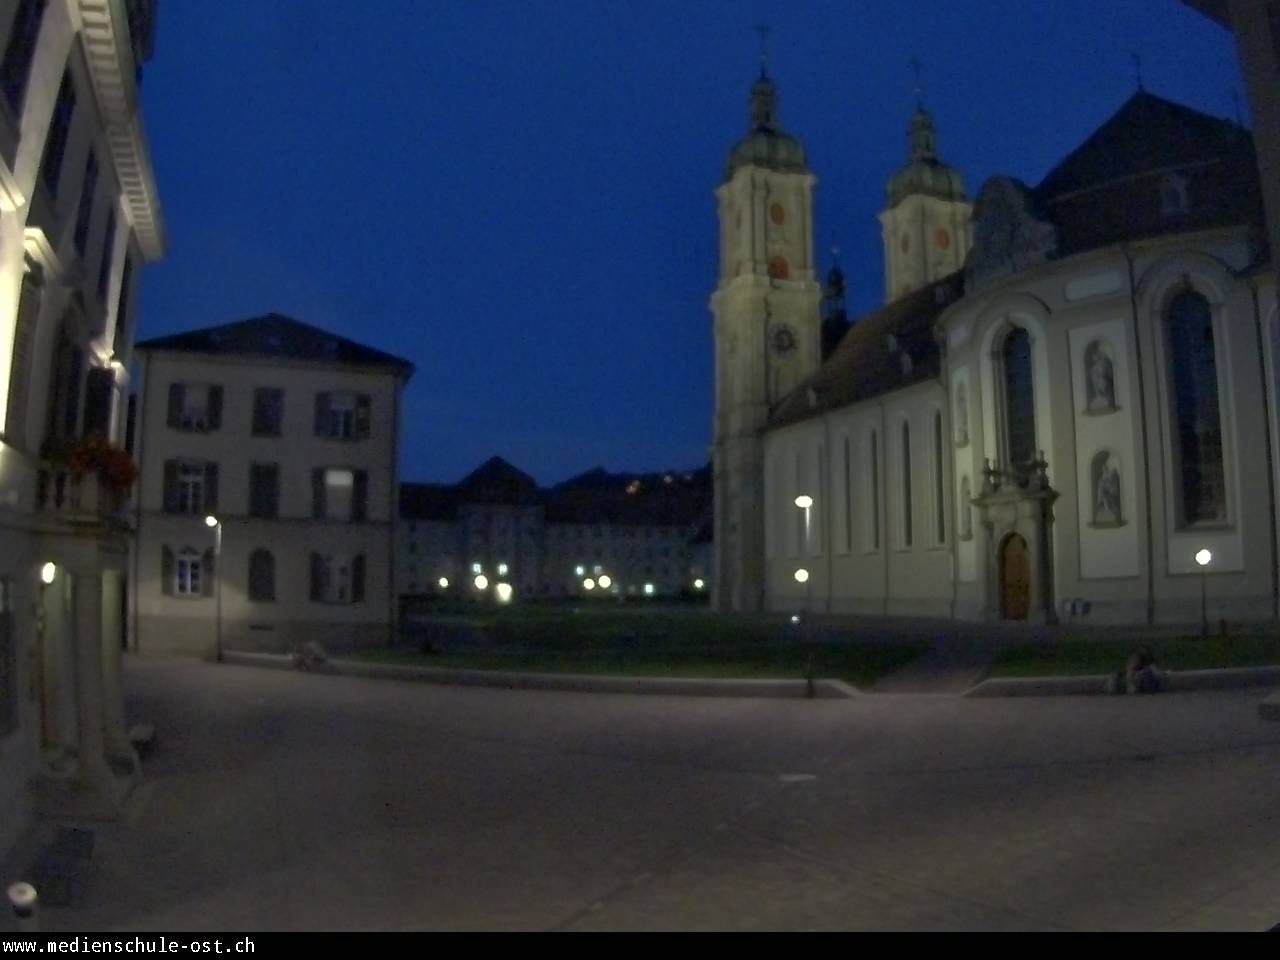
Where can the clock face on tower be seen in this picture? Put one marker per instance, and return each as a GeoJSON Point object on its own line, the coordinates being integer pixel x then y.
{"type": "Point", "coordinates": [784, 340]}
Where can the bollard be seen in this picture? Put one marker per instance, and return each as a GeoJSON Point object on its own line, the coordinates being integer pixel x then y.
{"type": "Point", "coordinates": [25, 903]}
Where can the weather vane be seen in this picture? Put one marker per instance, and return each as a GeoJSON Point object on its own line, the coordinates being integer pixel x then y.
{"type": "Point", "coordinates": [763, 30]}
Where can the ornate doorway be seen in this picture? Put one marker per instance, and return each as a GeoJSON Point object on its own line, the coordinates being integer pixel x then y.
{"type": "Point", "coordinates": [1015, 578]}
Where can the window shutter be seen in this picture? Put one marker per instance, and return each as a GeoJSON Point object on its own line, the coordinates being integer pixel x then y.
{"type": "Point", "coordinates": [214, 413]}
{"type": "Point", "coordinates": [208, 572]}
{"type": "Point", "coordinates": [166, 570]}
{"type": "Point", "coordinates": [317, 577]}
{"type": "Point", "coordinates": [317, 493]}
{"type": "Point", "coordinates": [360, 497]}
{"type": "Point", "coordinates": [322, 414]}
{"type": "Point", "coordinates": [363, 408]}
{"type": "Point", "coordinates": [357, 579]}
{"type": "Point", "coordinates": [211, 487]}
{"type": "Point", "coordinates": [171, 486]}
{"type": "Point", "coordinates": [177, 398]}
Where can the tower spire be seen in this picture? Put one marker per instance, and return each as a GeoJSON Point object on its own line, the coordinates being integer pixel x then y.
{"type": "Point", "coordinates": [763, 30]}
{"type": "Point", "coordinates": [917, 67]}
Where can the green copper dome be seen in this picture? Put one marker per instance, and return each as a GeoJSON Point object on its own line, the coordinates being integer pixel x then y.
{"type": "Point", "coordinates": [766, 145]}
{"type": "Point", "coordinates": [925, 174]}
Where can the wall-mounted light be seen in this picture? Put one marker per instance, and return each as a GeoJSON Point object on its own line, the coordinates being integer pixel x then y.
{"type": "Point", "coordinates": [48, 572]}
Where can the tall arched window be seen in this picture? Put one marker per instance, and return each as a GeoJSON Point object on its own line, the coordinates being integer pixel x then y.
{"type": "Point", "coordinates": [939, 489]}
{"type": "Point", "coordinates": [1197, 425]}
{"type": "Point", "coordinates": [1019, 398]}
{"type": "Point", "coordinates": [906, 483]}
{"type": "Point", "coordinates": [262, 576]}
{"type": "Point", "coordinates": [873, 492]}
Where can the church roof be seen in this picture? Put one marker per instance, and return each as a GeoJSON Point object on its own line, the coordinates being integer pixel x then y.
{"type": "Point", "coordinates": [888, 349]}
{"type": "Point", "coordinates": [275, 335]}
{"type": "Point", "coordinates": [497, 481]}
{"type": "Point", "coordinates": [766, 143]}
{"type": "Point", "coordinates": [1147, 133]}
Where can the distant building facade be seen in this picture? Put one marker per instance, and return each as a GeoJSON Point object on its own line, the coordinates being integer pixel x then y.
{"type": "Point", "coordinates": [1069, 393]}
{"type": "Point", "coordinates": [79, 218]}
{"type": "Point", "coordinates": [639, 531]}
{"type": "Point", "coordinates": [287, 435]}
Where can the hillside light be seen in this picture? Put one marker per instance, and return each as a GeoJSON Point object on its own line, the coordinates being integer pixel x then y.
{"type": "Point", "coordinates": [588, 584]}
{"type": "Point", "coordinates": [48, 572]}
{"type": "Point", "coordinates": [503, 591]}
{"type": "Point", "coordinates": [1204, 558]}
{"type": "Point", "coordinates": [481, 582]}
{"type": "Point", "coordinates": [605, 582]}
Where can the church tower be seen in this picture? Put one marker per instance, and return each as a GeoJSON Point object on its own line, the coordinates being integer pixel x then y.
{"type": "Point", "coordinates": [767, 334]}
{"type": "Point", "coordinates": [926, 225]}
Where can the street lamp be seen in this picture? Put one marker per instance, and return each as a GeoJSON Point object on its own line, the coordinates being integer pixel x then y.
{"type": "Point", "coordinates": [481, 582]}
{"type": "Point", "coordinates": [605, 581]}
{"type": "Point", "coordinates": [588, 584]}
{"type": "Point", "coordinates": [215, 524]}
{"type": "Point", "coordinates": [1204, 558]}
{"type": "Point", "coordinates": [805, 503]}
{"type": "Point", "coordinates": [443, 583]}
{"type": "Point", "coordinates": [802, 576]}
{"type": "Point", "coordinates": [503, 592]}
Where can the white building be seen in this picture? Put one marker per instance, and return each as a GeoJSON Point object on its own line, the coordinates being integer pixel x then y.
{"type": "Point", "coordinates": [79, 217]}
{"type": "Point", "coordinates": [1067, 396]}
{"type": "Point", "coordinates": [287, 435]}
{"type": "Point", "coordinates": [634, 529]}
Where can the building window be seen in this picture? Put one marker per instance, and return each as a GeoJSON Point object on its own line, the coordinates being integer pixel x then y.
{"type": "Point", "coordinates": [187, 573]}
{"type": "Point", "coordinates": [906, 484]}
{"type": "Point", "coordinates": [190, 486]}
{"type": "Point", "coordinates": [342, 415]}
{"type": "Point", "coordinates": [339, 494]}
{"type": "Point", "coordinates": [84, 213]}
{"type": "Point", "coordinates": [262, 576]}
{"type": "Point", "coordinates": [195, 407]}
{"type": "Point", "coordinates": [24, 336]}
{"type": "Point", "coordinates": [119, 338]}
{"type": "Point", "coordinates": [108, 255]}
{"type": "Point", "coordinates": [1019, 398]}
{"type": "Point", "coordinates": [337, 579]}
{"type": "Point", "coordinates": [939, 489]}
{"type": "Point", "coordinates": [15, 69]}
{"type": "Point", "coordinates": [1197, 420]}
{"type": "Point", "coordinates": [55, 144]}
{"type": "Point", "coordinates": [268, 412]}
{"type": "Point", "coordinates": [264, 490]}
{"type": "Point", "coordinates": [848, 498]}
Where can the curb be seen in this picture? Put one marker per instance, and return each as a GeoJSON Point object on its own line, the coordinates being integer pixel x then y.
{"type": "Point", "coordinates": [570, 682]}
{"type": "Point", "coordinates": [1179, 681]}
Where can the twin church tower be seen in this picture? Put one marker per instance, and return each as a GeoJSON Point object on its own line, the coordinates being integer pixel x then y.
{"type": "Point", "coordinates": [768, 303]}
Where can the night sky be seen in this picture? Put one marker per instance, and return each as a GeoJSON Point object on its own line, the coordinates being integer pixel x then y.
{"type": "Point", "coordinates": [518, 196]}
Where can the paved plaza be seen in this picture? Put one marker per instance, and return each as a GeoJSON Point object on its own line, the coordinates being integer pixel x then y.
{"type": "Point", "coordinates": [282, 800]}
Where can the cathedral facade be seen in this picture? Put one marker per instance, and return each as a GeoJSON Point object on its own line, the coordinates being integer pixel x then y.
{"type": "Point", "coordinates": [1065, 410]}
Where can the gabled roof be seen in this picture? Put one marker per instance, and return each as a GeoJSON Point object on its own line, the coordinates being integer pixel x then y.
{"type": "Point", "coordinates": [275, 335]}
{"type": "Point", "coordinates": [497, 481]}
{"type": "Point", "coordinates": [885, 350]}
{"type": "Point", "coordinates": [1147, 133]}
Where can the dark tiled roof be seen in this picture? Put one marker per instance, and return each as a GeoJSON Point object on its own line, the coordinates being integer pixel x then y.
{"type": "Point", "coordinates": [428, 501]}
{"type": "Point", "coordinates": [275, 335]}
{"type": "Point", "coordinates": [497, 482]}
{"type": "Point", "coordinates": [870, 359]}
{"type": "Point", "coordinates": [1109, 189]}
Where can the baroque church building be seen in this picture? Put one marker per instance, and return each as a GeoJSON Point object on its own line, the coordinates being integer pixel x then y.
{"type": "Point", "coordinates": [1069, 393]}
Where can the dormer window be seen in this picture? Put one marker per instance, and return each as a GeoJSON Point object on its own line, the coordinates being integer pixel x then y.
{"type": "Point", "coordinates": [1174, 201]}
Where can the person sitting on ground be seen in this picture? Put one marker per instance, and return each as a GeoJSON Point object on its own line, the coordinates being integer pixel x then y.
{"type": "Point", "coordinates": [1141, 674]}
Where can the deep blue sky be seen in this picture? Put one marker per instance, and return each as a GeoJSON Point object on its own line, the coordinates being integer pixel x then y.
{"type": "Point", "coordinates": [517, 196]}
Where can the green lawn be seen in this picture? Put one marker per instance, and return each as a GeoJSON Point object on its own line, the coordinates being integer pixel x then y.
{"type": "Point", "coordinates": [1085, 657]}
{"type": "Point", "coordinates": [639, 641]}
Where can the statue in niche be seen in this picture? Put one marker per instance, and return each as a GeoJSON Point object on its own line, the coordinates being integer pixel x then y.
{"type": "Point", "coordinates": [1106, 490]}
{"type": "Point", "coordinates": [962, 415]}
{"type": "Point", "coordinates": [1100, 379]}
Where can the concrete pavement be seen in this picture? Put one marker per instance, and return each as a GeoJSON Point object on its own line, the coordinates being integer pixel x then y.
{"type": "Point", "coordinates": [284, 800]}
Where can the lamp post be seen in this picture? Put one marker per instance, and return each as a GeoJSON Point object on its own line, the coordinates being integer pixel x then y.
{"type": "Point", "coordinates": [805, 503]}
{"type": "Point", "coordinates": [216, 525]}
{"type": "Point", "coordinates": [1204, 558]}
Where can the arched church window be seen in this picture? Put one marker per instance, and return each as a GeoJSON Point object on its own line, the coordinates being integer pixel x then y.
{"type": "Point", "coordinates": [873, 491]}
{"type": "Point", "coordinates": [1019, 398]}
{"type": "Point", "coordinates": [1197, 422]}
{"type": "Point", "coordinates": [939, 489]}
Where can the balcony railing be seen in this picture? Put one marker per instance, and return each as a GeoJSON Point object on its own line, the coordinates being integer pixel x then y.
{"type": "Point", "coordinates": [85, 499]}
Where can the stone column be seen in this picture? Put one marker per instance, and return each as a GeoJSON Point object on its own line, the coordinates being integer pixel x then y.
{"type": "Point", "coordinates": [117, 737]}
{"type": "Point", "coordinates": [90, 700]}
